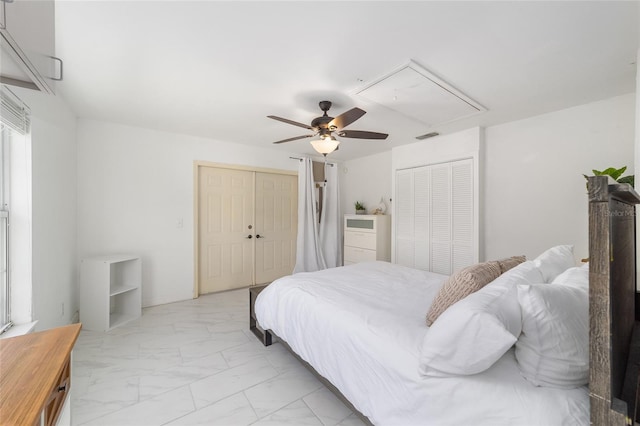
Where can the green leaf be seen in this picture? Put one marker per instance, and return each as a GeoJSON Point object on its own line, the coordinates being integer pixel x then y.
{"type": "Point", "coordinates": [615, 174]}
{"type": "Point", "coordinates": [628, 179]}
{"type": "Point", "coordinates": [611, 171]}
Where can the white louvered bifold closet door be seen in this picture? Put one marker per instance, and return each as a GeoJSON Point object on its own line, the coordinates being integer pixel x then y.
{"type": "Point", "coordinates": [405, 234]}
{"type": "Point", "coordinates": [441, 219]}
{"type": "Point", "coordinates": [435, 217]}
{"type": "Point", "coordinates": [462, 223]}
{"type": "Point", "coordinates": [421, 212]}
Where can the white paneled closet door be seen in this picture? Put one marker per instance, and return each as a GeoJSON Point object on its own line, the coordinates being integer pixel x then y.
{"type": "Point", "coordinates": [247, 226]}
{"type": "Point", "coordinates": [435, 223]}
{"type": "Point", "coordinates": [226, 210]}
{"type": "Point", "coordinates": [276, 226]}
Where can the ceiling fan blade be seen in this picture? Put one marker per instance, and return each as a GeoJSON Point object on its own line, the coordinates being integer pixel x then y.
{"type": "Point", "coordinates": [295, 123]}
{"type": "Point", "coordinates": [360, 134]}
{"type": "Point", "coordinates": [346, 118]}
{"type": "Point", "coordinates": [294, 139]}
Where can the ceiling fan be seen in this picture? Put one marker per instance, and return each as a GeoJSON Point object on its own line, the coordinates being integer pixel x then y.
{"type": "Point", "coordinates": [325, 126]}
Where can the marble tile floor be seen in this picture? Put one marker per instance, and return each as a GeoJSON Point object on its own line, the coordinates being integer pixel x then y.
{"type": "Point", "coordinates": [195, 363]}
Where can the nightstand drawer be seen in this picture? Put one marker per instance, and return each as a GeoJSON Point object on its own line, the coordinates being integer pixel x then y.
{"type": "Point", "coordinates": [356, 254]}
{"type": "Point", "coordinates": [364, 240]}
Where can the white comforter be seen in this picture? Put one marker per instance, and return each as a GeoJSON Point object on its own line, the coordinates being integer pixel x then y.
{"type": "Point", "coordinates": [362, 326]}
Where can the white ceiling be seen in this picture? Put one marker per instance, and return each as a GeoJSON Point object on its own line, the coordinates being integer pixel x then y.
{"type": "Point", "coordinates": [217, 69]}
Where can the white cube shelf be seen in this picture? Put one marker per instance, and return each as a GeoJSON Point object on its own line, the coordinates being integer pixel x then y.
{"type": "Point", "coordinates": [110, 291]}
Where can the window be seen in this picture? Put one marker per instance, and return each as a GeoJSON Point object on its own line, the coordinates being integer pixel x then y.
{"type": "Point", "coordinates": [14, 125]}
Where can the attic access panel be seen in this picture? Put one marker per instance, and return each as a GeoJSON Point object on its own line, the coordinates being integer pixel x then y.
{"type": "Point", "coordinates": [415, 92]}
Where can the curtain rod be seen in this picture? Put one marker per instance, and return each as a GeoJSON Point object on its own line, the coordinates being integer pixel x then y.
{"type": "Point", "coordinates": [300, 159]}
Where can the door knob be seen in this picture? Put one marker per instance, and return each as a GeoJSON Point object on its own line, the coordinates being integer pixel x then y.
{"type": "Point", "coordinates": [258, 236]}
{"type": "Point", "coordinates": [249, 236]}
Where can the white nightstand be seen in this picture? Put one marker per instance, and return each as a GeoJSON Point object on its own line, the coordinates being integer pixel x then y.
{"type": "Point", "coordinates": [367, 238]}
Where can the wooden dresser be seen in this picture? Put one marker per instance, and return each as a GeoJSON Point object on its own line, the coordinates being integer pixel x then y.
{"type": "Point", "coordinates": [367, 238]}
{"type": "Point", "coordinates": [35, 376]}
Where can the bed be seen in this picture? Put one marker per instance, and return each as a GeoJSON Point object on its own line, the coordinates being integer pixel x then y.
{"type": "Point", "coordinates": [362, 329]}
{"type": "Point", "coordinates": [614, 331]}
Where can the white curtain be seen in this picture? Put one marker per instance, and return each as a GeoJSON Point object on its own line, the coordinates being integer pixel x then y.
{"type": "Point", "coordinates": [308, 252]}
{"type": "Point", "coordinates": [330, 222]}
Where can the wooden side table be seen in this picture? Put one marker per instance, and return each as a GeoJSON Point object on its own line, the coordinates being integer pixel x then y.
{"type": "Point", "coordinates": [263, 335]}
{"type": "Point", "coordinates": [35, 377]}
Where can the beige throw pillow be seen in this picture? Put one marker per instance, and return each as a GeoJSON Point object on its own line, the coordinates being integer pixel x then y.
{"type": "Point", "coordinates": [510, 262]}
{"type": "Point", "coordinates": [460, 285]}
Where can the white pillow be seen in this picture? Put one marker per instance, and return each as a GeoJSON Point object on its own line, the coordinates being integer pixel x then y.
{"type": "Point", "coordinates": [555, 261]}
{"type": "Point", "coordinates": [471, 335]}
{"type": "Point", "coordinates": [553, 349]}
{"type": "Point", "coordinates": [578, 276]}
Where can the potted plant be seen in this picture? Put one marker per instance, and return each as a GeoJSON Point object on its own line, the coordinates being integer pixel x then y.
{"type": "Point", "coordinates": [615, 175]}
{"type": "Point", "coordinates": [360, 208]}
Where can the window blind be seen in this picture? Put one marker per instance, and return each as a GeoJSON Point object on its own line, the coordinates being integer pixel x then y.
{"type": "Point", "coordinates": [13, 112]}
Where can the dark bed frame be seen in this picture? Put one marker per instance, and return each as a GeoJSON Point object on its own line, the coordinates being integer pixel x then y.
{"type": "Point", "coordinates": [267, 337]}
{"type": "Point", "coordinates": [614, 343]}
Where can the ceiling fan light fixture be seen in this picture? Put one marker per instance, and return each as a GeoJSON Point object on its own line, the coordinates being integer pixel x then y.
{"type": "Point", "coordinates": [324, 126]}
{"type": "Point", "coordinates": [325, 145]}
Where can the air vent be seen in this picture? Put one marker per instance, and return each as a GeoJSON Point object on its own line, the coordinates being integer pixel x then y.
{"type": "Point", "coordinates": [416, 93]}
{"type": "Point", "coordinates": [427, 136]}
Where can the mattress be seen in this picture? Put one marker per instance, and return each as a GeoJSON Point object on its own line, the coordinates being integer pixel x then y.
{"type": "Point", "coordinates": [361, 327]}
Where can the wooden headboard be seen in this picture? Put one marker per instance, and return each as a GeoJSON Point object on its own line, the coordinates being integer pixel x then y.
{"type": "Point", "coordinates": [614, 355]}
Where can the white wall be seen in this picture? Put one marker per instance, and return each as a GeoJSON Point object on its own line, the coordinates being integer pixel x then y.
{"type": "Point", "coordinates": [366, 180]}
{"type": "Point", "coordinates": [532, 188]}
{"type": "Point", "coordinates": [134, 188]}
{"type": "Point", "coordinates": [54, 237]}
{"type": "Point", "coordinates": [135, 185]}
{"type": "Point", "coordinates": [443, 149]}
{"type": "Point", "coordinates": [440, 149]}
{"type": "Point", "coordinates": [535, 194]}
{"type": "Point", "coordinates": [369, 178]}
